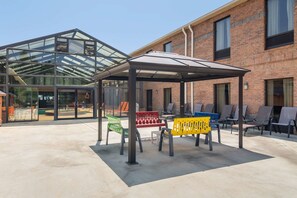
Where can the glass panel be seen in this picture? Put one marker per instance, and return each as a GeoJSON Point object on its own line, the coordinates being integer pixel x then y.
{"type": "Point", "coordinates": [73, 81]}
{"type": "Point", "coordinates": [2, 67]}
{"type": "Point", "coordinates": [2, 79]}
{"type": "Point", "coordinates": [86, 72]}
{"type": "Point", "coordinates": [121, 99]}
{"type": "Point", "coordinates": [2, 106]}
{"type": "Point", "coordinates": [61, 45]}
{"type": "Point", "coordinates": [81, 36]}
{"type": "Point", "coordinates": [76, 46]}
{"type": "Point", "coordinates": [280, 16]}
{"type": "Point", "coordinates": [31, 69]}
{"type": "Point", "coordinates": [66, 103]}
{"type": "Point", "coordinates": [46, 103]}
{"type": "Point", "coordinates": [36, 45]}
{"type": "Point", "coordinates": [222, 96]}
{"type": "Point", "coordinates": [31, 56]}
{"type": "Point", "coordinates": [223, 34]}
{"type": "Point", "coordinates": [108, 99]}
{"type": "Point", "coordinates": [90, 50]}
{"type": "Point", "coordinates": [85, 103]}
{"type": "Point", "coordinates": [31, 80]}
{"type": "Point", "coordinates": [80, 60]}
{"type": "Point", "coordinates": [23, 104]}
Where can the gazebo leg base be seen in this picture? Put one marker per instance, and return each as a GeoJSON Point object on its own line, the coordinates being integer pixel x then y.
{"type": "Point", "coordinates": [134, 163]}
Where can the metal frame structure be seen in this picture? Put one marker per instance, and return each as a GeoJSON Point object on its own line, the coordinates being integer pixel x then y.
{"type": "Point", "coordinates": [166, 67]}
{"type": "Point", "coordinates": [37, 60]}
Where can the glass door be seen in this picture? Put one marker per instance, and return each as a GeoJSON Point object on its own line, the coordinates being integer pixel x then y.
{"type": "Point", "coordinates": [75, 103]}
{"type": "Point", "coordinates": [66, 103]}
{"type": "Point", "coordinates": [222, 96]}
{"type": "Point", "coordinates": [85, 103]}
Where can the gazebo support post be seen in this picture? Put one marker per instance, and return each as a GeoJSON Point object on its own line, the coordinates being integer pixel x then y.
{"type": "Point", "coordinates": [182, 99]}
{"type": "Point", "coordinates": [100, 91]}
{"type": "Point", "coordinates": [240, 104]}
{"type": "Point", "coordinates": [132, 117]}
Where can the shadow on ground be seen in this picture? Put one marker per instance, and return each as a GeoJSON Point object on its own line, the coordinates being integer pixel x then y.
{"type": "Point", "coordinates": [274, 135]}
{"type": "Point", "coordinates": [154, 165]}
{"type": "Point", "coordinates": [50, 122]}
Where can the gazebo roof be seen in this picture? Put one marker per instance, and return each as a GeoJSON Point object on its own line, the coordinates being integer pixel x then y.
{"type": "Point", "coordinates": [170, 67]}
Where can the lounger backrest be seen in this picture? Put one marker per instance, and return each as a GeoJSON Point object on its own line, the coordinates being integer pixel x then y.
{"type": "Point", "coordinates": [198, 107]}
{"type": "Point", "coordinates": [264, 114]}
{"type": "Point", "coordinates": [209, 108]}
{"type": "Point", "coordinates": [236, 115]}
{"type": "Point", "coordinates": [226, 112]}
{"type": "Point", "coordinates": [287, 114]}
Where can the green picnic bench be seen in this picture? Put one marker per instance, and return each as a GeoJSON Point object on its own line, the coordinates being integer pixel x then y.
{"type": "Point", "coordinates": [114, 124]}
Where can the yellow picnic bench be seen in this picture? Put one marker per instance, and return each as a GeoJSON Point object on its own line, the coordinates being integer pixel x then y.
{"type": "Point", "coordinates": [187, 126]}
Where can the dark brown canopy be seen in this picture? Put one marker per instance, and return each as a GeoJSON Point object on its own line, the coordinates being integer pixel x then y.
{"type": "Point", "coordinates": [169, 67]}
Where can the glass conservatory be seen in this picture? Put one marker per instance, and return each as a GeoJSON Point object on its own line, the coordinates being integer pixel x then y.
{"type": "Point", "coordinates": [50, 77]}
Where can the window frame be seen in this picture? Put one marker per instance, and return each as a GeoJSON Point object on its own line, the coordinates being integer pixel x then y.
{"type": "Point", "coordinates": [224, 53]}
{"type": "Point", "coordinates": [167, 43]}
{"type": "Point", "coordinates": [278, 40]}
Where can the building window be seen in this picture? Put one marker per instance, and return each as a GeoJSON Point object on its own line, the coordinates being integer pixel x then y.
{"type": "Point", "coordinates": [167, 97]}
{"type": "Point", "coordinates": [61, 45]}
{"type": "Point", "coordinates": [222, 96]}
{"type": "Point", "coordinates": [149, 51]}
{"type": "Point", "coordinates": [168, 47]}
{"type": "Point", "coordinates": [76, 46]}
{"type": "Point", "coordinates": [279, 23]}
{"type": "Point", "coordinates": [90, 48]}
{"type": "Point", "coordinates": [222, 38]}
{"type": "Point", "coordinates": [279, 93]}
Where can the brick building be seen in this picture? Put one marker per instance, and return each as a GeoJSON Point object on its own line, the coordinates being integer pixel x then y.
{"type": "Point", "coordinates": [254, 34]}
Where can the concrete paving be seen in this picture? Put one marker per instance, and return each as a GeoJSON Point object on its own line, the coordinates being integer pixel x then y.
{"type": "Point", "coordinates": [63, 159]}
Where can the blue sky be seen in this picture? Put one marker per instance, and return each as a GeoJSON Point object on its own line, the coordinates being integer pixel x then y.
{"type": "Point", "coordinates": [124, 24]}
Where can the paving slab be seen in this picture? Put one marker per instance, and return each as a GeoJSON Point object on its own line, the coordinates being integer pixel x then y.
{"type": "Point", "coordinates": [63, 159]}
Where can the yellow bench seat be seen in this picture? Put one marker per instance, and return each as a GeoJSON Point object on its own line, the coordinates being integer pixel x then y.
{"type": "Point", "coordinates": [187, 126]}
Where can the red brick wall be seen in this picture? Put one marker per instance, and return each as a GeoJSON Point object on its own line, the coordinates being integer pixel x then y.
{"type": "Point", "coordinates": [247, 50]}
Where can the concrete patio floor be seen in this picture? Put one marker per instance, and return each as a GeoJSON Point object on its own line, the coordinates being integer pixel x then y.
{"type": "Point", "coordinates": [63, 159]}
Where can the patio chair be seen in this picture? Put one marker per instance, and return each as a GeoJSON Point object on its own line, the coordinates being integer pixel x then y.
{"type": "Point", "coordinates": [209, 108]}
{"type": "Point", "coordinates": [214, 117]}
{"type": "Point", "coordinates": [226, 113]}
{"type": "Point", "coordinates": [188, 112]}
{"type": "Point", "coordinates": [114, 124]}
{"type": "Point", "coordinates": [287, 119]}
{"type": "Point", "coordinates": [262, 119]}
{"type": "Point", "coordinates": [235, 118]}
{"type": "Point", "coordinates": [169, 109]}
{"type": "Point", "coordinates": [197, 108]}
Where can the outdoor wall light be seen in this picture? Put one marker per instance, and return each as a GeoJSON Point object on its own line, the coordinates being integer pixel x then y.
{"type": "Point", "coordinates": [246, 85]}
